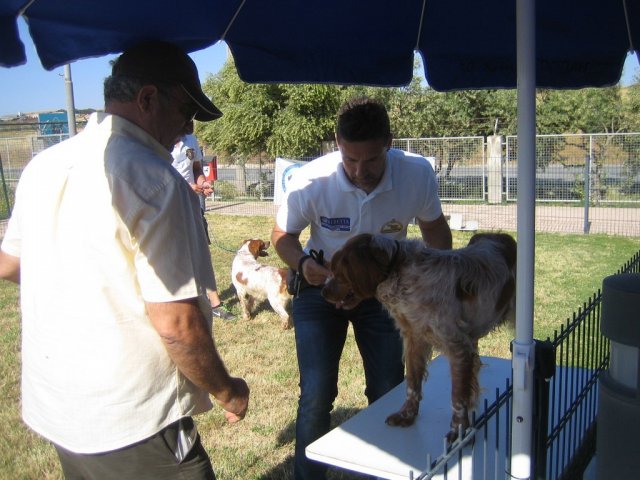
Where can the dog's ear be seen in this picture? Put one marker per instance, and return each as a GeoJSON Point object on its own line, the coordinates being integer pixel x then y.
{"type": "Point", "coordinates": [365, 267]}
{"type": "Point", "coordinates": [509, 249]}
{"type": "Point", "coordinates": [254, 247]}
{"type": "Point", "coordinates": [349, 268]}
{"type": "Point", "coordinates": [507, 244]}
{"type": "Point", "coordinates": [382, 250]}
{"type": "Point", "coordinates": [262, 249]}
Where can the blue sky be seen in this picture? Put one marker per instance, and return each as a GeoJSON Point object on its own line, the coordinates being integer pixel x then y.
{"type": "Point", "coordinates": [30, 87]}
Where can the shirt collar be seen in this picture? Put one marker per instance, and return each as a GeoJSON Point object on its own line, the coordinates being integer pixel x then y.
{"type": "Point", "coordinates": [121, 126]}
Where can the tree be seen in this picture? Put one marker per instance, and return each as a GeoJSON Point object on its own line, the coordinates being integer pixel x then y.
{"type": "Point", "coordinates": [305, 119]}
{"type": "Point", "coordinates": [294, 120]}
{"type": "Point", "coordinates": [501, 110]}
{"type": "Point", "coordinates": [631, 102]}
{"type": "Point", "coordinates": [248, 112]}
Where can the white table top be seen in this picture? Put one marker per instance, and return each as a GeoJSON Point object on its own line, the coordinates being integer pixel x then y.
{"type": "Point", "coordinates": [365, 444]}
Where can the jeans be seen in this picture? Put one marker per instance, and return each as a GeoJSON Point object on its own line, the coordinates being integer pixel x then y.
{"type": "Point", "coordinates": [321, 331]}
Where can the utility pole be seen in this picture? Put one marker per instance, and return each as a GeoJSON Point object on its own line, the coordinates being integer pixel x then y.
{"type": "Point", "coordinates": [71, 109]}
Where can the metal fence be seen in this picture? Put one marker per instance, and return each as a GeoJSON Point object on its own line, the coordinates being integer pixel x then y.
{"type": "Point", "coordinates": [21, 143]}
{"type": "Point", "coordinates": [584, 183]}
{"type": "Point", "coordinates": [596, 169]}
{"type": "Point", "coordinates": [459, 163]}
{"type": "Point", "coordinates": [565, 407]}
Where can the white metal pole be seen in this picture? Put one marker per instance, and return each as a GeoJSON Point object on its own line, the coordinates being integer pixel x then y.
{"type": "Point", "coordinates": [71, 109]}
{"type": "Point", "coordinates": [523, 346]}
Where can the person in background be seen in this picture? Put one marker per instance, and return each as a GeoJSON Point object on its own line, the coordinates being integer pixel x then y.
{"type": "Point", "coordinates": [365, 187]}
{"type": "Point", "coordinates": [191, 168]}
{"type": "Point", "coordinates": [187, 160]}
{"type": "Point", "coordinates": [113, 266]}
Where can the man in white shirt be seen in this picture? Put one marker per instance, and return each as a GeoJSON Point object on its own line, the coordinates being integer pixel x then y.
{"type": "Point", "coordinates": [365, 187]}
{"type": "Point", "coordinates": [113, 266]}
{"type": "Point", "coordinates": [187, 160]}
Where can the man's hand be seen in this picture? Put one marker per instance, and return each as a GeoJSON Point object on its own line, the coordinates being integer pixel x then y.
{"type": "Point", "coordinates": [207, 189]}
{"type": "Point", "coordinates": [314, 273]}
{"type": "Point", "coordinates": [235, 408]}
{"type": "Point", "coordinates": [204, 188]}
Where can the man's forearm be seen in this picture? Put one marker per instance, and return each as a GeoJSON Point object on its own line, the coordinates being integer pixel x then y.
{"type": "Point", "coordinates": [9, 267]}
{"type": "Point", "coordinates": [198, 173]}
{"type": "Point", "coordinates": [190, 345]}
{"type": "Point", "coordinates": [437, 233]}
{"type": "Point", "coordinates": [288, 247]}
{"type": "Point", "coordinates": [195, 355]}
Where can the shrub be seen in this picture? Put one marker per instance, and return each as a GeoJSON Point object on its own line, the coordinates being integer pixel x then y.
{"type": "Point", "coordinates": [225, 190]}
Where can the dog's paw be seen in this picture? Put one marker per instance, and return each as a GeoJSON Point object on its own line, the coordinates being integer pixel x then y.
{"type": "Point", "coordinates": [403, 418]}
{"type": "Point", "coordinates": [458, 428]}
{"type": "Point", "coordinates": [453, 435]}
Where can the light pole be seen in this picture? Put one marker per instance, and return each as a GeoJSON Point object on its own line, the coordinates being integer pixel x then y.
{"type": "Point", "coordinates": [71, 109]}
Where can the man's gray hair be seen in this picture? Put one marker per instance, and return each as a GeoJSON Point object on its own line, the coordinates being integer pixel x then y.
{"type": "Point", "coordinates": [121, 88]}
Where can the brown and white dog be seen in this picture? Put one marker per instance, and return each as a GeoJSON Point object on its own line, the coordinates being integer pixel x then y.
{"type": "Point", "coordinates": [447, 299]}
{"type": "Point", "coordinates": [255, 281]}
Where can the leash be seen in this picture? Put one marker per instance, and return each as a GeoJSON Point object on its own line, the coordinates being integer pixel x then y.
{"type": "Point", "coordinates": [215, 243]}
{"type": "Point", "coordinates": [296, 281]}
{"type": "Point", "coordinates": [317, 256]}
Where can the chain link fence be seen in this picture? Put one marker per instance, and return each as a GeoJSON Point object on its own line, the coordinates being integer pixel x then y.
{"type": "Point", "coordinates": [584, 183]}
{"type": "Point", "coordinates": [459, 163]}
{"type": "Point", "coordinates": [599, 169]}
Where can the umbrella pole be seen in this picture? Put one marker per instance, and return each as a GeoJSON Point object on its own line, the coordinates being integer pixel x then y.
{"type": "Point", "coordinates": [523, 345]}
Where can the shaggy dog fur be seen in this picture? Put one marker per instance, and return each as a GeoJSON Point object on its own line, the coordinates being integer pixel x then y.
{"type": "Point", "coordinates": [257, 282]}
{"type": "Point", "coordinates": [444, 299]}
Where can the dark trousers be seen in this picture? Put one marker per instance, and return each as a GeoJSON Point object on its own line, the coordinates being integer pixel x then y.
{"type": "Point", "coordinates": [151, 459]}
{"type": "Point", "coordinates": [321, 331]}
{"type": "Point", "coordinates": [206, 226]}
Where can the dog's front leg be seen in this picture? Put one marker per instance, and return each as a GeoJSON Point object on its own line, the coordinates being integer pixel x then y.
{"type": "Point", "coordinates": [416, 353]}
{"type": "Point", "coordinates": [465, 365]}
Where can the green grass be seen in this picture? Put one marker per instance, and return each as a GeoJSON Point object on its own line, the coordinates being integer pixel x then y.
{"type": "Point", "coordinates": [569, 268]}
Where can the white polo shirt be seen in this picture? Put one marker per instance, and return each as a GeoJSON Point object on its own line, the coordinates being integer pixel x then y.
{"type": "Point", "coordinates": [181, 162]}
{"type": "Point", "coordinates": [321, 196]}
{"type": "Point", "coordinates": [103, 223]}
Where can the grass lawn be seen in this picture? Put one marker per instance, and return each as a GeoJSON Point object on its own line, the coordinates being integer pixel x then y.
{"type": "Point", "coordinates": [569, 268]}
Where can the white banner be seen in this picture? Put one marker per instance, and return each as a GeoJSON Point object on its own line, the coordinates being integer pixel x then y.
{"type": "Point", "coordinates": [284, 171]}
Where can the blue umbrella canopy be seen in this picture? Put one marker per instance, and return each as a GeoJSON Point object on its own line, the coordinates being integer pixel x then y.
{"type": "Point", "coordinates": [464, 44]}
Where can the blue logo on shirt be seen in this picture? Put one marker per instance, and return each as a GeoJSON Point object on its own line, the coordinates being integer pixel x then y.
{"type": "Point", "coordinates": [336, 224]}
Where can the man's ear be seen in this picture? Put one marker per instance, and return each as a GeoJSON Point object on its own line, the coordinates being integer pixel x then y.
{"type": "Point", "coordinates": [147, 97]}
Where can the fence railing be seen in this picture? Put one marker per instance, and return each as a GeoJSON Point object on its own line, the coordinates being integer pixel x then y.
{"type": "Point", "coordinates": [565, 405]}
{"type": "Point", "coordinates": [459, 163]}
{"type": "Point", "coordinates": [584, 183]}
{"type": "Point", "coordinates": [592, 169]}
